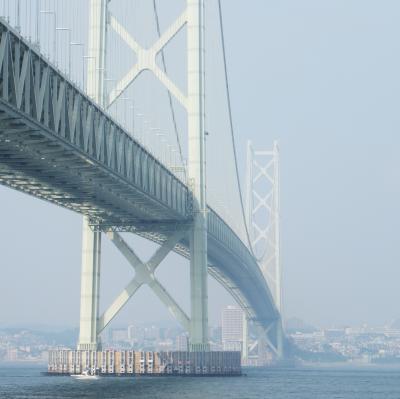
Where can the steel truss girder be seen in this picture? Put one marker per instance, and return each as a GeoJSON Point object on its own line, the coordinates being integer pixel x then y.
{"type": "Point", "coordinates": [32, 86]}
{"type": "Point", "coordinates": [83, 168]}
{"type": "Point", "coordinates": [141, 226]}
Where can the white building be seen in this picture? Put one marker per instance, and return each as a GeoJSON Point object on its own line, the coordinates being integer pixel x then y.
{"type": "Point", "coordinates": [181, 343]}
{"type": "Point", "coordinates": [232, 328]}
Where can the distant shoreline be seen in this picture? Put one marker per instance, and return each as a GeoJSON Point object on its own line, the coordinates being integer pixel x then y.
{"type": "Point", "coordinates": [347, 365]}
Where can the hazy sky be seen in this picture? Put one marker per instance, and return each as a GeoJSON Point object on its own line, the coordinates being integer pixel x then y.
{"type": "Point", "coordinates": [322, 77]}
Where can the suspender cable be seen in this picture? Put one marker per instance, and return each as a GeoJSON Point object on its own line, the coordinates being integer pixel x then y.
{"type": "Point", "coordinates": [171, 105]}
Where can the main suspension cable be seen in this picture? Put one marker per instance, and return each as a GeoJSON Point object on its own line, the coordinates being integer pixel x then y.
{"type": "Point", "coordinates": [228, 97]}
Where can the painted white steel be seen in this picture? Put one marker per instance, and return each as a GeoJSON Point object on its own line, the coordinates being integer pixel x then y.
{"type": "Point", "coordinates": [144, 274]}
{"type": "Point", "coordinates": [245, 345]}
{"type": "Point", "coordinates": [194, 103]}
{"type": "Point", "coordinates": [197, 173]}
{"type": "Point", "coordinates": [91, 242]}
{"type": "Point", "coordinates": [90, 285]}
{"type": "Point", "coordinates": [146, 59]}
{"type": "Point", "coordinates": [264, 166]}
{"type": "Point", "coordinates": [97, 51]}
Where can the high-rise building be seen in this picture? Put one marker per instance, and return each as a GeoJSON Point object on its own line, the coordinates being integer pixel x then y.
{"type": "Point", "coordinates": [232, 328]}
{"type": "Point", "coordinates": [181, 343]}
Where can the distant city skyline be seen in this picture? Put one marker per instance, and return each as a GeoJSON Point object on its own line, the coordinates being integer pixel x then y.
{"type": "Point", "coordinates": [354, 345]}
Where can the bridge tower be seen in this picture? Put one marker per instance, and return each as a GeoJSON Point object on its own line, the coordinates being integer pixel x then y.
{"type": "Point", "coordinates": [197, 174]}
{"type": "Point", "coordinates": [193, 101]}
{"type": "Point", "coordinates": [91, 240]}
{"type": "Point", "coordinates": [263, 219]}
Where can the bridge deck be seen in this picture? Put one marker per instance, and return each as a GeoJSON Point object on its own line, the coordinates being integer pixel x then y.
{"type": "Point", "coordinates": [58, 145]}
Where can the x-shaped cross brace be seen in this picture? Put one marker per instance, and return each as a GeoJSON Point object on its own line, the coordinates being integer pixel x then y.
{"type": "Point", "coordinates": [263, 171]}
{"type": "Point", "coordinates": [144, 274]}
{"type": "Point", "coordinates": [264, 332]}
{"type": "Point", "coordinates": [146, 59]}
{"type": "Point", "coordinates": [263, 201]}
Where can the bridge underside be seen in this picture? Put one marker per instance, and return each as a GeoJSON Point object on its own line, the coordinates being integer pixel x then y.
{"type": "Point", "coordinates": [35, 162]}
{"type": "Point", "coordinates": [57, 145]}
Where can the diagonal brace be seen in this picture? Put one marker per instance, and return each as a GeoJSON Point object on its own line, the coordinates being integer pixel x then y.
{"type": "Point", "coordinates": [144, 275]}
{"type": "Point", "coordinates": [147, 59]}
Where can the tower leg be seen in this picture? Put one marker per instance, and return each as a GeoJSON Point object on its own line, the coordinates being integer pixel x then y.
{"type": "Point", "coordinates": [198, 288]}
{"type": "Point", "coordinates": [197, 175]}
{"type": "Point", "coordinates": [91, 241]}
{"type": "Point", "coordinates": [279, 340]}
{"type": "Point", "coordinates": [245, 343]}
{"type": "Point", "coordinates": [90, 285]}
{"type": "Point", "coordinates": [262, 347]}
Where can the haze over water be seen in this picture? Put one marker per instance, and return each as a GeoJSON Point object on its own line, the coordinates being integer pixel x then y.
{"type": "Point", "coordinates": [322, 383]}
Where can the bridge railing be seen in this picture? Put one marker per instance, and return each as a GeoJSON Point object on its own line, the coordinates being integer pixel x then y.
{"type": "Point", "coordinates": [218, 228]}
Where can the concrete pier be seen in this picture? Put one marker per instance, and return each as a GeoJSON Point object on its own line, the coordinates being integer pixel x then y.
{"type": "Point", "coordinates": [131, 363]}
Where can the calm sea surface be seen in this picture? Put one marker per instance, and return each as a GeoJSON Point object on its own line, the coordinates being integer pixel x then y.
{"type": "Point", "coordinates": [27, 382]}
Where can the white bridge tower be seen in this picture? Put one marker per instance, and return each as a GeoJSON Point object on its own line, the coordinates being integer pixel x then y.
{"type": "Point", "coordinates": [263, 221]}
{"type": "Point", "coordinates": [91, 323]}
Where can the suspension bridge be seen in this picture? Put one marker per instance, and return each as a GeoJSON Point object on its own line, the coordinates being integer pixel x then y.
{"type": "Point", "coordinates": [113, 133]}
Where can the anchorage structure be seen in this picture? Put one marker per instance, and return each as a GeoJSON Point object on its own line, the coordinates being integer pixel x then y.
{"type": "Point", "coordinates": [91, 324]}
{"type": "Point", "coordinates": [263, 220]}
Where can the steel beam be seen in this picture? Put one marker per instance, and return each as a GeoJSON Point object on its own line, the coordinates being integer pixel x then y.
{"type": "Point", "coordinates": [144, 275]}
